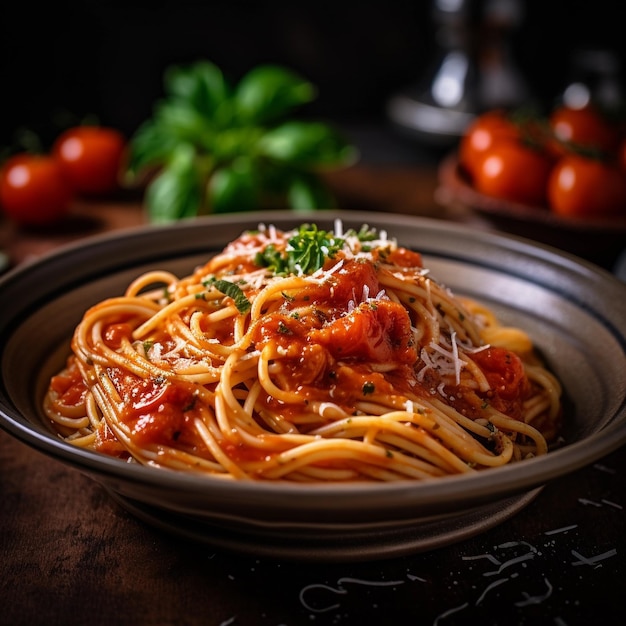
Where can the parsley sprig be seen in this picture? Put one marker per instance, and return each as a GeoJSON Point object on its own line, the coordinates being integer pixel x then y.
{"type": "Point", "coordinates": [307, 250]}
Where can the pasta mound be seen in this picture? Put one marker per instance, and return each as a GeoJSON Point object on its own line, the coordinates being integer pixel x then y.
{"type": "Point", "coordinates": [308, 356]}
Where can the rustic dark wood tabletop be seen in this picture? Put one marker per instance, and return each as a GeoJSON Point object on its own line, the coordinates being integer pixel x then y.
{"type": "Point", "coordinates": [72, 555]}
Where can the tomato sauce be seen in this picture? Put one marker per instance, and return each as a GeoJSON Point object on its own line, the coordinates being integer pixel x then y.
{"type": "Point", "coordinates": [379, 333]}
{"type": "Point", "coordinates": [114, 334]}
{"type": "Point", "coordinates": [340, 329]}
{"type": "Point", "coordinates": [374, 329]}
{"type": "Point", "coordinates": [157, 411]}
{"type": "Point", "coordinates": [402, 257]}
{"type": "Point", "coordinates": [509, 384]}
{"type": "Point", "coordinates": [69, 386]}
{"type": "Point", "coordinates": [108, 443]}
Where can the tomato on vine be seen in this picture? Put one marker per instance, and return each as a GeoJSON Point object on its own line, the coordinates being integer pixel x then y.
{"type": "Point", "coordinates": [586, 128]}
{"type": "Point", "coordinates": [33, 190]}
{"type": "Point", "coordinates": [514, 171]}
{"type": "Point", "coordinates": [91, 158]}
{"type": "Point", "coordinates": [581, 186]}
{"type": "Point", "coordinates": [481, 136]}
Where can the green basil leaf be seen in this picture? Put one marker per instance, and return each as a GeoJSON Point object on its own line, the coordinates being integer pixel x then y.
{"type": "Point", "coordinates": [268, 92]}
{"type": "Point", "coordinates": [150, 146]}
{"type": "Point", "coordinates": [307, 193]}
{"type": "Point", "coordinates": [212, 150]}
{"type": "Point", "coordinates": [233, 188]}
{"type": "Point", "coordinates": [176, 192]}
{"type": "Point", "coordinates": [307, 144]}
{"type": "Point", "coordinates": [201, 86]}
{"type": "Point", "coordinates": [183, 123]}
{"type": "Point", "coordinates": [231, 143]}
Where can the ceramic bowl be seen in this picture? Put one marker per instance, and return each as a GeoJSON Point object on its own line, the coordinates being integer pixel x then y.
{"type": "Point", "coordinates": [574, 311]}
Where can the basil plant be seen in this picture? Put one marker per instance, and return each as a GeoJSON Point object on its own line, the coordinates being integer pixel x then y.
{"type": "Point", "coordinates": [216, 148]}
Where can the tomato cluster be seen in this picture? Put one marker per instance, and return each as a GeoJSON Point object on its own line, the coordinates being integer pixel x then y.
{"type": "Point", "coordinates": [572, 161]}
{"type": "Point", "coordinates": [36, 189]}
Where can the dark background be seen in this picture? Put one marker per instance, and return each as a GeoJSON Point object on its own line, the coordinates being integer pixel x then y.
{"type": "Point", "coordinates": [107, 59]}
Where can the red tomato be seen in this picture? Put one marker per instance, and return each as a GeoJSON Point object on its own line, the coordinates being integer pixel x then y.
{"type": "Point", "coordinates": [91, 158]}
{"type": "Point", "coordinates": [585, 127]}
{"type": "Point", "coordinates": [33, 190]}
{"type": "Point", "coordinates": [481, 135]}
{"type": "Point", "coordinates": [583, 187]}
{"type": "Point", "coordinates": [505, 372]}
{"type": "Point", "coordinates": [515, 172]}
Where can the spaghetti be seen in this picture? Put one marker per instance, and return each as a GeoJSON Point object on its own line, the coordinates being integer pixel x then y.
{"type": "Point", "coordinates": [304, 355]}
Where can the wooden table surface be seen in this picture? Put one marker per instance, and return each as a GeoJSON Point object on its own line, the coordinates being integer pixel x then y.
{"type": "Point", "coordinates": [72, 555]}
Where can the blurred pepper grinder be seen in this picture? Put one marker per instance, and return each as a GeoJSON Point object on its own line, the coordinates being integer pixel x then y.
{"type": "Point", "coordinates": [473, 71]}
{"type": "Point", "coordinates": [595, 77]}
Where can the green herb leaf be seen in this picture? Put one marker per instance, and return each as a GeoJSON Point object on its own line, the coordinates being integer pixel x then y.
{"type": "Point", "coordinates": [181, 122]}
{"type": "Point", "coordinates": [151, 145]}
{"type": "Point", "coordinates": [268, 92]}
{"type": "Point", "coordinates": [200, 86]}
{"type": "Point", "coordinates": [175, 193]}
{"type": "Point", "coordinates": [307, 192]}
{"type": "Point", "coordinates": [203, 130]}
{"type": "Point", "coordinates": [310, 247]}
{"type": "Point", "coordinates": [310, 144]}
{"type": "Point", "coordinates": [233, 188]}
{"type": "Point", "coordinates": [232, 143]}
{"type": "Point", "coordinates": [272, 259]}
{"type": "Point", "coordinates": [306, 252]}
{"type": "Point", "coordinates": [233, 291]}
{"type": "Point", "coordinates": [366, 233]}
